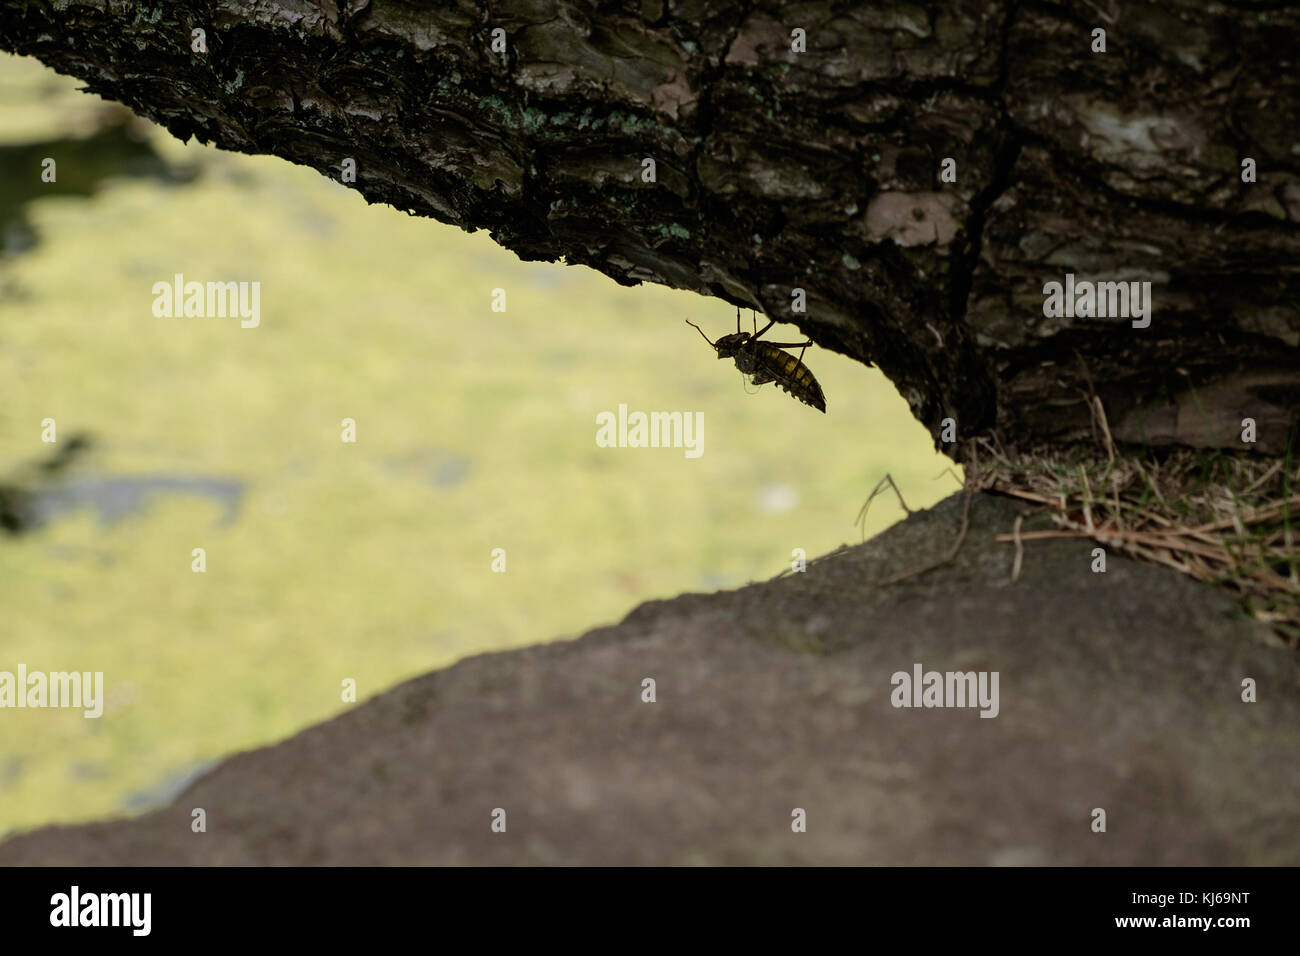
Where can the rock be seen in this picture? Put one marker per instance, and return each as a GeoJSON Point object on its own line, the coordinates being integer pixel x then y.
{"type": "Point", "coordinates": [1119, 691]}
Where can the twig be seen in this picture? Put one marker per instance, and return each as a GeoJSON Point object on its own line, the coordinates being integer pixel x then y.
{"type": "Point", "coordinates": [862, 512]}
{"type": "Point", "coordinates": [1087, 497]}
{"type": "Point", "coordinates": [1263, 478]}
{"type": "Point", "coordinates": [949, 471]}
{"type": "Point", "coordinates": [1020, 549]}
{"type": "Point", "coordinates": [952, 552]}
{"type": "Point", "coordinates": [816, 560]}
{"type": "Point", "coordinates": [1027, 495]}
{"type": "Point", "coordinates": [1105, 428]}
{"type": "Point", "coordinates": [1250, 517]}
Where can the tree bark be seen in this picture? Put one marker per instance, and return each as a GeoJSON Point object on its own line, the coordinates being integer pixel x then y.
{"type": "Point", "coordinates": [818, 169]}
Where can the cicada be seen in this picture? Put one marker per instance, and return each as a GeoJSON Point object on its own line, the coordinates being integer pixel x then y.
{"type": "Point", "coordinates": [765, 362]}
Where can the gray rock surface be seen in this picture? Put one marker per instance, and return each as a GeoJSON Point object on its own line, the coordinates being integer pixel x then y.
{"type": "Point", "coordinates": [1119, 690]}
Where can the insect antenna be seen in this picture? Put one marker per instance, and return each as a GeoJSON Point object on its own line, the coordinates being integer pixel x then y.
{"type": "Point", "coordinates": [701, 331]}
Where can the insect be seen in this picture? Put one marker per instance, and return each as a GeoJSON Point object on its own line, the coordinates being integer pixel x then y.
{"type": "Point", "coordinates": [765, 361]}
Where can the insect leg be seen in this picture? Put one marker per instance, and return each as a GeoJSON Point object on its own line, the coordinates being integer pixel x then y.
{"type": "Point", "coordinates": [792, 345]}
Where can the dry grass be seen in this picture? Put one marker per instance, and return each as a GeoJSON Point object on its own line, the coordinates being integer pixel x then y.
{"type": "Point", "coordinates": [1223, 518]}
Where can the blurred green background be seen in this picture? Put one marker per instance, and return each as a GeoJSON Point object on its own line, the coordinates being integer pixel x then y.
{"type": "Point", "coordinates": [326, 560]}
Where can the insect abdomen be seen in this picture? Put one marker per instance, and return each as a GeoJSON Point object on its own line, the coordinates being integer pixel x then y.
{"type": "Point", "coordinates": [789, 374]}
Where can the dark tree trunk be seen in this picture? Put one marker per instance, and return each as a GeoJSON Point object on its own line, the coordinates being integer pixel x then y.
{"type": "Point", "coordinates": [817, 170]}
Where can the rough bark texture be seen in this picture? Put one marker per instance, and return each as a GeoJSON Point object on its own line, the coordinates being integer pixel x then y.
{"type": "Point", "coordinates": [816, 170]}
{"type": "Point", "coordinates": [1119, 691]}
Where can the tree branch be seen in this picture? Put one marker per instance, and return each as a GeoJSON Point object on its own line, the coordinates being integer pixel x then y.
{"type": "Point", "coordinates": [819, 169]}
